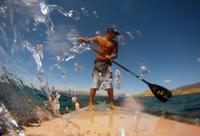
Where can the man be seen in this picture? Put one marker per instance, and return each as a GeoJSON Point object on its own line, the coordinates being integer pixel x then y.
{"type": "Point", "coordinates": [102, 74]}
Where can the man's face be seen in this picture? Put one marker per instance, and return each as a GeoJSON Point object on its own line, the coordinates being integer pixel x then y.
{"type": "Point", "coordinates": [111, 35]}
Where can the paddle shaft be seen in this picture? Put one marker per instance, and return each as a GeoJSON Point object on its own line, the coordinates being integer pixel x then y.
{"type": "Point", "coordinates": [124, 68]}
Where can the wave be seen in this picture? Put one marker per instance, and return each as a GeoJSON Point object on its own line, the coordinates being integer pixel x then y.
{"type": "Point", "coordinates": [21, 103]}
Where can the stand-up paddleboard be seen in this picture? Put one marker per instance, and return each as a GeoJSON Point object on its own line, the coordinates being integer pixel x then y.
{"type": "Point", "coordinates": [104, 122]}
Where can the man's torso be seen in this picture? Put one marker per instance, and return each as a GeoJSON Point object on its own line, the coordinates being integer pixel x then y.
{"type": "Point", "coordinates": [105, 47]}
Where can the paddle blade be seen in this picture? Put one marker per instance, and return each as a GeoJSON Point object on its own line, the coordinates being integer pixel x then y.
{"type": "Point", "coordinates": [163, 94]}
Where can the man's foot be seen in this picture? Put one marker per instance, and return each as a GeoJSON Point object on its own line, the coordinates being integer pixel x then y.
{"type": "Point", "coordinates": [112, 106]}
{"type": "Point", "coordinates": [91, 107]}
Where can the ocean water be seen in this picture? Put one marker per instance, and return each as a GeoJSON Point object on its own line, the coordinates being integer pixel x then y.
{"type": "Point", "coordinates": [184, 108]}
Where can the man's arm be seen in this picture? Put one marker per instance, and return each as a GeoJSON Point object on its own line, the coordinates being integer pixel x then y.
{"type": "Point", "coordinates": [86, 40]}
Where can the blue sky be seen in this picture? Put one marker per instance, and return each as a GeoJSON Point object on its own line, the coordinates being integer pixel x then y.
{"type": "Point", "coordinates": [169, 45]}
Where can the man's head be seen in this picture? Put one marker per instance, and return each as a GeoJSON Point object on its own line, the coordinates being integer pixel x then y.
{"type": "Point", "coordinates": [112, 32]}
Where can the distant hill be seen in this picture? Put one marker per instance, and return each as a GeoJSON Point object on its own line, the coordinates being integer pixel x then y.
{"type": "Point", "coordinates": [192, 86]}
{"type": "Point", "coordinates": [183, 90]}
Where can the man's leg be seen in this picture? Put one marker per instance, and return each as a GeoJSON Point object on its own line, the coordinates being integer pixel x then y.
{"type": "Point", "coordinates": [91, 99]}
{"type": "Point", "coordinates": [110, 98]}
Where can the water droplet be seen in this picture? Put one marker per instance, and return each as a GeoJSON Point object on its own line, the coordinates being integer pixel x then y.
{"type": "Point", "coordinates": [84, 11]}
{"type": "Point", "coordinates": [95, 14]}
{"type": "Point", "coordinates": [137, 115]}
{"type": "Point", "coordinates": [143, 70]}
{"type": "Point", "coordinates": [122, 132]}
{"type": "Point", "coordinates": [118, 78]}
{"type": "Point", "coordinates": [130, 34]}
{"type": "Point", "coordinates": [98, 33]}
{"type": "Point", "coordinates": [44, 8]}
{"type": "Point", "coordinates": [69, 58]}
{"type": "Point", "coordinates": [3, 10]}
{"type": "Point", "coordinates": [74, 15]}
{"type": "Point", "coordinates": [138, 32]}
{"type": "Point", "coordinates": [77, 67]}
{"type": "Point", "coordinates": [121, 39]}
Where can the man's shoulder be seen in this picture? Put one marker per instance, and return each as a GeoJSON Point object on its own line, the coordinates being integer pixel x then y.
{"type": "Point", "coordinates": [100, 37]}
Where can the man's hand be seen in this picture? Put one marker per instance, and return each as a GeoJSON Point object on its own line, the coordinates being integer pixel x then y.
{"type": "Point", "coordinates": [82, 40]}
{"type": "Point", "coordinates": [109, 57]}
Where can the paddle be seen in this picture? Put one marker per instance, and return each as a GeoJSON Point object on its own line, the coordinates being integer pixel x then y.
{"type": "Point", "coordinates": [163, 94]}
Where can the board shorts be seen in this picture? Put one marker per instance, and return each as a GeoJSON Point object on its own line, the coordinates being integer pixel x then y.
{"type": "Point", "coordinates": [102, 75]}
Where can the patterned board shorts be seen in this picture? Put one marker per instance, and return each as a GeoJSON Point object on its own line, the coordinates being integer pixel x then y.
{"type": "Point", "coordinates": [102, 75]}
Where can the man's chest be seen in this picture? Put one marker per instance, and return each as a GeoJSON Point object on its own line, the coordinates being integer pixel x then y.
{"type": "Point", "coordinates": [106, 44]}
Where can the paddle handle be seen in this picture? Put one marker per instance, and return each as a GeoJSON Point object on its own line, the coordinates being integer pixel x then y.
{"type": "Point", "coordinates": [124, 68]}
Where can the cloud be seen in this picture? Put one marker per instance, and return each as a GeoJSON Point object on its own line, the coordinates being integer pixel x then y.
{"type": "Point", "coordinates": [167, 81]}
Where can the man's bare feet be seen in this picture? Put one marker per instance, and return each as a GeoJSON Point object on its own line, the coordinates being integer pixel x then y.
{"type": "Point", "coordinates": [91, 107]}
{"type": "Point", "coordinates": [112, 106]}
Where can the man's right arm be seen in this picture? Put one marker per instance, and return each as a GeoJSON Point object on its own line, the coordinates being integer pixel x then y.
{"type": "Point", "coordinates": [88, 40]}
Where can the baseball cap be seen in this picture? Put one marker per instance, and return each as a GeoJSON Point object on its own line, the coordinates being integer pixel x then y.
{"type": "Point", "coordinates": [112, 29]}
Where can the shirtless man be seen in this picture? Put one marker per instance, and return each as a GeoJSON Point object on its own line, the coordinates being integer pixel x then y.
{"type": "Point", "coordinates": [102, 73]}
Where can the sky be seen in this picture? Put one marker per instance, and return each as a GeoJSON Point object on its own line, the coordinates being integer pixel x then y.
{"type": "Point", "coordinates": [166, 40]}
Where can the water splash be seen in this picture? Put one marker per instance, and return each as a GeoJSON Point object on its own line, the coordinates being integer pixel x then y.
{"type": "Point", "coordinates": [3, 39]}
{"type": "Point", "coordinates": [139, 33]}
{"type": "Point", "coordinates": [77, 67]}
{"type": "Point", "coordinates": [137, 117]}
{"type": "Point", "coordinates": [122, 132]}
{"type": "Point", "coordinates": [63, 72]}
{"type": "Point", "coordinates": [36, 53]}
{"type": "Point", "coordinates": [167, 81]}
{"type": "Point", "coordinates": [95, 14]}
{"type": "Point", "coordinates": [29, 2]}
{"type": "Point", "coordinates": [14, 31]}
{"type": "Point", "coordinates": [74, 15]}
{"type": "Point", "coordinates": [3, 10]}
{"type": "Point", "coordinates": [130, 35]}
{"type": "Point", "coordinates": [98, 33]}
{"type": "Point", "coordinates": [65, 46]}
{"type": "Point", "coordinates": [62, 40]}
{"type": "Point", "coordinates": [132, 104]}
{"type": "Point", "coordinates": [118, 78]}
{"type": "Point", "coordinates": [84, 11]}
{"type": "Point", "coordinates": [143, 71]}
{"type": "Point", "coordinates": [47, 9]}
{"type": "Point", "coordinates": [120, 39]}
{"type": "Point", "coordinates": [69, 58]}
{"type": "Point", "coordinates": [45, 86]}
{"type": "Point", "coordinates": [9, 122]}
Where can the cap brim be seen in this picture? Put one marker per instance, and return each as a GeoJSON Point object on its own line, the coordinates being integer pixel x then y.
{"type": "Point", "coordinates": [117, 33]}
